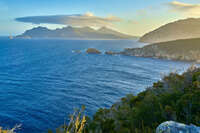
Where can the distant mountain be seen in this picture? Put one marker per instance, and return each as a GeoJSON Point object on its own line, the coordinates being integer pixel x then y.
{"type": "Point", "coordinates": [182, 29]}
{"type": "Point", "coordinates": [75, 33]}
{"type": "Point", "coordinates": [105, 30]}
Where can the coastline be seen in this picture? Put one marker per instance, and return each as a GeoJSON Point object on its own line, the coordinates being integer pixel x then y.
{"type": "Point", "coordinates": [179, 50]}
{"type": "Point", "coordinates": [157, 57]}
{"type": "Point", "coordinates": [124, 53]}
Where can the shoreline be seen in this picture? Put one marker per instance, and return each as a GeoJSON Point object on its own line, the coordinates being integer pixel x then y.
{"type": "Point", "coordinates": [178, 50]}
{"type": "Point", "coordinates": [161, 58]}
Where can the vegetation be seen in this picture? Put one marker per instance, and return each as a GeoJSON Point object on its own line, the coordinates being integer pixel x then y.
{"type": "Point", "coordinates": [176, 97]}
{"type": "Point", "coordinates": [76, 124]}
{"type": "Point", "coordinates": [10, 130]}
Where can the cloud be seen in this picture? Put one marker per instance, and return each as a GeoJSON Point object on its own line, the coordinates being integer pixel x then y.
{"type": "Point", "coordinates": [191, 10]}
{"type": "Point", "coordinates": [87, 19]}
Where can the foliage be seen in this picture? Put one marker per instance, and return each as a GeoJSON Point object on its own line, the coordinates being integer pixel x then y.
{"type": "Point", "coordinates": [10, 130]}
{"type": "Point", "coordinates": [76, 124]}
{"type": "Point", "coordinates": [176, 97]}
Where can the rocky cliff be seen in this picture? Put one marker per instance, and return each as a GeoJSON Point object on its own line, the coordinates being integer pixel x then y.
{"type": "Point", "coordinates": [187, 50]}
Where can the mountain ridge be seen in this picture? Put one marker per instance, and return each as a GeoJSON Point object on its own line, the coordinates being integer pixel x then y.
{"type": "Point", "coordinates": [74, 33]}
{"type": "Point", "coordinates": [182, 29]}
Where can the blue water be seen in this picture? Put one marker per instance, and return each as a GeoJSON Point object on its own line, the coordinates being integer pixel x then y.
{"type": "Point", "coordinates": [42, 81]}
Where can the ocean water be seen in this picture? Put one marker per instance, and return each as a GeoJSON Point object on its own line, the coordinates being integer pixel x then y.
{"type": "Point", "coordinates": [42, 81]}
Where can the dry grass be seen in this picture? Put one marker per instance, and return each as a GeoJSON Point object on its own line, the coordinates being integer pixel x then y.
{"type": "Point", "coordinates": [76, 124]}
{"type": "Point", "coordinates": [10, 130]}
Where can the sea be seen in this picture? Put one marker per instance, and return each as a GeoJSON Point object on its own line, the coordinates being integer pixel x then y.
{"type": "Point", "coordinates": [42, 81]}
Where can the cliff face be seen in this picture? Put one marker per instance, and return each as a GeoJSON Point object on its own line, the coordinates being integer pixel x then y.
{"type": "Point", "coordinates": [75, 33]}
{"type": "Point", "coordinates": [182, 29]}
{"type": "Point", "coordinates": [187, 50]}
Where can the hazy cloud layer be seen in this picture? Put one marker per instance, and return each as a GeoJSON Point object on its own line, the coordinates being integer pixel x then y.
{"type": "Point", "coordinates": [191, 10]}
{"type": "Point", "coordinates": [87, 19]}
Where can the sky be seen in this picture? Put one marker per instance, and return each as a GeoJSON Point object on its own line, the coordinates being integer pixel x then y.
{"type": "Point", "coordinates": [134, 17]}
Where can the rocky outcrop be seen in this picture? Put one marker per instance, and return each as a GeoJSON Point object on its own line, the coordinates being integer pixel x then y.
{"type": "Point", "coordinates": [174, 127]}
{"type": "Point", "coordinates": [76, 51]}
{"type": "Point", "coordinates": [93, 51]}
{"type": "Point", "coordinates": [110, 53]}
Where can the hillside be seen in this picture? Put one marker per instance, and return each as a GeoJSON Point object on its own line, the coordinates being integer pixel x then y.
{"type": "Point", "coordinates": [75, 33]}
{"type": "Point", "coordinates": [186, 49]}
{"type": "Point", "coordinates": [181, 29]}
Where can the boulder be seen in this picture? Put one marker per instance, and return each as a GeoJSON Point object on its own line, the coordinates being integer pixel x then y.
{"type": "Point", "coordinates": [175, 127]}
{"type": "Point", "coordinates": [110, 53]}
{"type": "Point", "coordinates": [76, 51]}
{"type": "Point", "coordinates": [93, 51]}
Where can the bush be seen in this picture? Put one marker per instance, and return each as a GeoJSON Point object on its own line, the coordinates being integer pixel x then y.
{"type": "Point", "coordinates": [75, 125]}
{"type": "Point", "coordinates": [176, 97]}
